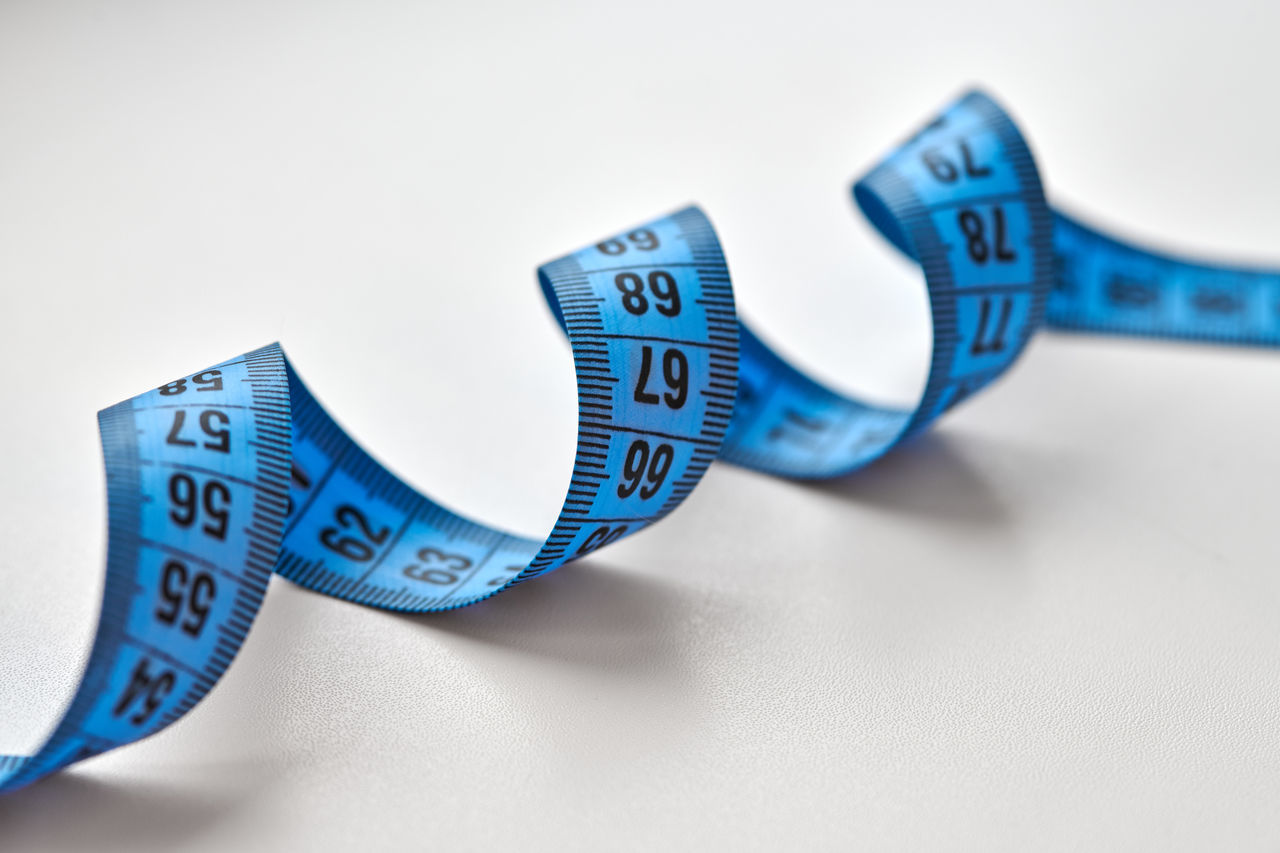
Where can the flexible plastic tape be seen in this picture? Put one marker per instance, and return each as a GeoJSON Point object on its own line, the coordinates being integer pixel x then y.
{"type": "Point", "coordinates": [1104, 285]}
{"type": "Point", "coordinates": [216, 479]}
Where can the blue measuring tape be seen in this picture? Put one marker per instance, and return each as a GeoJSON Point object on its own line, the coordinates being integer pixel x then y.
{"type": "Point", "coordinates": [217, 479]}
{"type": "Point", "coordinates": [1105, 285]}
{"type": "Point", "coordinates": [963, 199]}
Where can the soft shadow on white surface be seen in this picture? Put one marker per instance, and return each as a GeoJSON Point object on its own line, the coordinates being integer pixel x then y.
{"type": "Point", "coordinates": [620, 632]}
{"type": "Point", "coordinates": [86, 810]}
{"type": "Point", "coordinates": [609, 627]}
{"type": "Point", "coordinates": [1050, 626]}
{"type": "Point", "coordinates": [928, 477]}
{"type": "Point", "coordinates": [816, 641]}
{"type": "Point", "coordinates": [585, 614]}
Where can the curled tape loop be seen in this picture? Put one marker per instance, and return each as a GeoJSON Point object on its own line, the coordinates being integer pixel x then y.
{"type": "Point", "coordinates": [217, 479]}
{"type": "Point", "coordinates": [962, 199]}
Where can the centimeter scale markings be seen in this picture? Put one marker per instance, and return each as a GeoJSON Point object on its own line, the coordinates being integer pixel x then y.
{"type": "Point", "coordinates": [963, 199]}
{"type": "Point", "coordinates": [218, 478]}
{"type": "Point", "coordinates": [197, 474]}
{"type": "Point", "coordinates": [656, 379]}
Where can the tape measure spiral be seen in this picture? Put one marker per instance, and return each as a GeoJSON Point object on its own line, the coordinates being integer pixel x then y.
{"type": "Point", "coordinates": [219, 478]}
{"type": "Point", "coordinates": [963, 199]}
{"type": "Point", "coordinates": [216, 478]}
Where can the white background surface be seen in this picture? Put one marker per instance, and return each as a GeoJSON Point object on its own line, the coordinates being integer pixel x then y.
{"type": "Point", "coordinates": [1050, 624]}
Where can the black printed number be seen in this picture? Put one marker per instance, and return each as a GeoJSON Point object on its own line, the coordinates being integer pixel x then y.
{"type": "Point", "coordinates": [675, 373]}
{"type": "Point", "coordinates": [641, 238]}
{"type": "Point", "coordinates": [797, 425]}
{"type": "Point", "coordinates": [150, 689]}
{"type": "Point", "coordinates": [213, 423]}
{"type": "Point", "coordinates": [298, 482]}
{"type": "Point", "coordinates": [1216, 302]}
{"type": "Point", "coordinates": [210, 380]}
{"type": "Point", "coordinates": [180, 591]}
{"type": "Point", "coordinates": [945, 169]}
{"type": "Point", "coordinates": [994, 341]}
{"type": "Point", "coordinates": [662, 284]}
{"type": "Point", "coordinates": [1126, 292]}
{"type": "Point", "coordinates": [600, 537]}
{"type": "Point", "coordinates": [644, 470]}
{"type": "Point", "coordinates": [502, 580]}
{"type": "Point", "coordinates": [438, 567]}
{"type": "Point", "coordinates": [975, 231]}
{"type": "Point", "coordinates": [359, 546]}
{"type": "Point", "coordinates": [188, 502]}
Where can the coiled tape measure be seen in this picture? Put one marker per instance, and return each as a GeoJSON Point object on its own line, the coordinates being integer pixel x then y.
{"type": "Point", "coordinates": [217, 479]}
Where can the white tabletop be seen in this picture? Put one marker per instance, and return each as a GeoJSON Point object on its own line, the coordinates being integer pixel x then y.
{"type": "Point", "coordinates": [1049, 624]}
